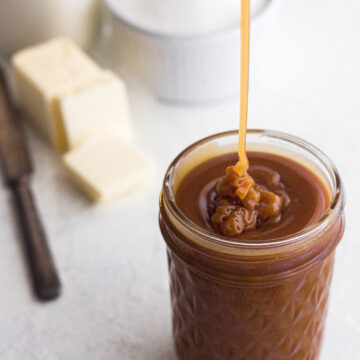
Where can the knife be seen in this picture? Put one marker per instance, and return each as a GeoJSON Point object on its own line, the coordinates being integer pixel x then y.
{"type": "Point", "coordinates": [17, 168]}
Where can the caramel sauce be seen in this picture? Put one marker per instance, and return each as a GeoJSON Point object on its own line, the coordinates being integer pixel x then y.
{"type": "Point", "coordinates": [243, 163]}
{"type": "Point", "coordinates": [239, 204]}
{"type": "Point", "coordinates": [248, 307]}
{"type": "Point", "coordinates": [304, 195]}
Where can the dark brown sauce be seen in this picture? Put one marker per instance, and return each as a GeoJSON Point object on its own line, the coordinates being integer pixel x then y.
{"type": "Point", "coordinates": [308, 195]}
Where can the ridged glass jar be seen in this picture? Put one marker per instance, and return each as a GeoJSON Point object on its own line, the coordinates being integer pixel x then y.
{"type": "Point", "coordinates": [243, 300]}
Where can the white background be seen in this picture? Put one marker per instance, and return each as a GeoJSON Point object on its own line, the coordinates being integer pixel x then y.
{"type": "Point", "coordinates": [305, 80]}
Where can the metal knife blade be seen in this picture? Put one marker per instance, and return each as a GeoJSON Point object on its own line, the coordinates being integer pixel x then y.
{"type": "Point", "coordinates": [14, 152]}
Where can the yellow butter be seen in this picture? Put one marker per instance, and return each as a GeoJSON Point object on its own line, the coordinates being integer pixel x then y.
{"type": "Point", "coordinates": [43, 72]}
{"type": "Point", "coordinates": [101, 106]}
{"type": "Point", "coordinates": [107, 166]}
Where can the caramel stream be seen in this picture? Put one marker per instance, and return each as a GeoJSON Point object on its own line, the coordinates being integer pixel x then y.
{"type": "Point", "coordinates": [243, 164]}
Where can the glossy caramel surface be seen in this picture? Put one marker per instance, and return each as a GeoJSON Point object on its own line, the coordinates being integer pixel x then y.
{"type": "Point", "coordinates": [308, 197]}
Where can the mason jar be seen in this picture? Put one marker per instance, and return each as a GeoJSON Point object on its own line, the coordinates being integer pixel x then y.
{"type": "Point", "coordinates": [244, 300]}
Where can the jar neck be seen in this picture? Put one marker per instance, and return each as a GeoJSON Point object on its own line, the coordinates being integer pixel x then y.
{"type": "Point", "coordinates": [263, 264]}
{"type": "Point", "coordinates": [215, 245]}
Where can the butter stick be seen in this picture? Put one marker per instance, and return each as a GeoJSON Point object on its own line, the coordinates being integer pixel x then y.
{"type": "Point", "coordinates": [43, 72]}
{"type": "Point", "coordinates": [106, 166]}
{"type": "Point", "coordinates": [88, 110]}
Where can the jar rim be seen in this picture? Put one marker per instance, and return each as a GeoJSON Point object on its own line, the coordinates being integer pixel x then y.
{"type": "Point", "coordinates": [334, 209]}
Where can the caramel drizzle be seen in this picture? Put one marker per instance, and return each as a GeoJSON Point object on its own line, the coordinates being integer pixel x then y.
{"type": "Point", "coordinates": [243, 164]}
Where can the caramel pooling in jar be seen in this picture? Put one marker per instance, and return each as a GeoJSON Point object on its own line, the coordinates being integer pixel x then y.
{"type": "Point", "coordinates": [242, 205]}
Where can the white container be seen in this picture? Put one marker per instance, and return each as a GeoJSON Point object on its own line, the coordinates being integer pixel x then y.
{"type": "Point", "coordinates": [27, 22]}
{"type": "Point", "coordinates": [178, 67]}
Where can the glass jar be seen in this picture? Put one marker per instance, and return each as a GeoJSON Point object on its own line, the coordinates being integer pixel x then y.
{"type": "Point", "coordinates": [244, 300]}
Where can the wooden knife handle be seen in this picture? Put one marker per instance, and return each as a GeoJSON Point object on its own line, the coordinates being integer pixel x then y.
{"type": "Point", "coordinates": [45, 277]}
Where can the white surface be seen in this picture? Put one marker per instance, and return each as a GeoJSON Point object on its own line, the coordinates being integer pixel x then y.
{"type": "Point", "coordinates": [306, 81]}
{"type": "Point", "coordinates": [25, 22]}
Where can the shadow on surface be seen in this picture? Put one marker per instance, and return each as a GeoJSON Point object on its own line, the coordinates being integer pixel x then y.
{"type": "Point", "coordinates": [162, 350]}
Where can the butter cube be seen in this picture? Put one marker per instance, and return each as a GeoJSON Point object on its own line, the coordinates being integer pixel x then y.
{"type": "Point", "coordinates": [88, 110]}
{"type": "Point", "coordinates": [106, 166]}
{"type": "Point", "coordinates": [42, 73]}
